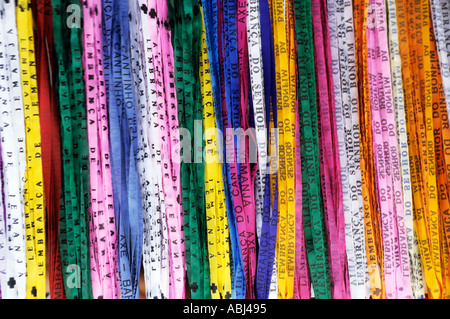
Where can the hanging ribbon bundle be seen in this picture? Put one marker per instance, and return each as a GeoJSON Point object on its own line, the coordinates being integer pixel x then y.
{"type": "Point", "coordinates": [12, 224]}
{"type": "Point", "coordinates": [163, 61]}
{"type": "Point", "coordinates": [74, 216]}
{"type": "Point", "coordinates": [312, 206]}
{"type": "Point", "coordinates": [399, 96]}
{"type": "Point", "coordinates": [223, 149]}
{"type": "Point", "coordinates": [440, 13]}
{"type": "Point", "coordinates": [102, 228]}
{"type": "Point", "coordinates": [372, 239]}
{"type": "Point", "coordinates": [385, 151]}
{"type": "Point", "coordinates": [264, 90]}
{"type": "Point", "coordinates": [123, 144]}
{"type": "Point", "coordinates": [342, 50]}
{"type": "Point", "coordinates": [50, 139]}
{"type": "Point", "coordinates": [223, 247]}
{"type": "Point", "coordinates": [329, 157]}
{"type": "Point", "coordinates": [33, 189]}
{"type": "Point", "coordinates": [187, 45]}
{"type": "Point", "coordinates": [149, 155]}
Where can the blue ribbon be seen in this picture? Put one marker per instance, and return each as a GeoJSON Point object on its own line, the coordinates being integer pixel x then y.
{"type": "Point", "coordinates": [123, 142]}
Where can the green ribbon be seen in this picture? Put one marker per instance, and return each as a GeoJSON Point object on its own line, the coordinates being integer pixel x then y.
{"type": "Point", "coordinates": [74, 231]}
{"type": "Point", "coordinates": [187, 46]}
{"type": "Point", "coordinates": [313, 219]}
